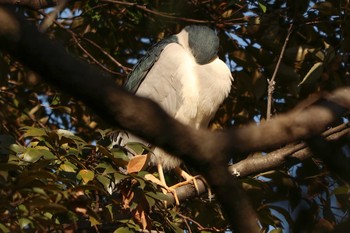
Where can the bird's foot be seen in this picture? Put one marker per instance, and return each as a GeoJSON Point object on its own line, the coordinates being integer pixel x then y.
{"type": "Point", "coordinates": [164, 187]}
{"type": "Point", "coordinates": [192, 179]}
{"type": "Point", "coordinates": [189, 180]}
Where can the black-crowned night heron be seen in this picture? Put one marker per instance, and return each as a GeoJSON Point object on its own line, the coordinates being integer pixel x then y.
{"type": "Point", "coordinates": [184, 75]}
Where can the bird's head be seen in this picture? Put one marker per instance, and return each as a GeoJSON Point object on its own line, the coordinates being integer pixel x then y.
{"type": "Point", "coordinates": [201, 41]}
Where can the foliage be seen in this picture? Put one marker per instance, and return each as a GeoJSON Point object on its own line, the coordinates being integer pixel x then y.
{"type": "Point", "coordinates": [53, 179]}
{"type": "Point", "coordinates": [58, 180]}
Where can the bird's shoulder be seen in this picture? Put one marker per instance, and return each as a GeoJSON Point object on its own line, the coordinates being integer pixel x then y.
{"type": "Point", "coordinates": [141, 69]}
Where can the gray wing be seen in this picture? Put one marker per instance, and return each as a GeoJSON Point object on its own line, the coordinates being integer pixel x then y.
{"type": "Point", "coordinates": [165, 81]}
{"type": "Point", "coordinates": [141, 69]}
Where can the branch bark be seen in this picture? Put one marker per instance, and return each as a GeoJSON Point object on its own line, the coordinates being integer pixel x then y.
{"type": "Point", "coordinates": [33, 4]}
{"type": "Point", "coordinates": [296, 151]}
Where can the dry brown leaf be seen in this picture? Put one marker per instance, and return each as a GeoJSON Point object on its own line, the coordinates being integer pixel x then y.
{"type": "Point", "coordinates": [137, 163]}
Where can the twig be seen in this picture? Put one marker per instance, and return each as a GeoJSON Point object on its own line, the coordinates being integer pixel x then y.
{"type": "Point", "coordinates": [199, 226]}
{"type": "Point", "coordinates": [50, 18]}
{"type": "Point", "coordinates": [75, 37]}
{"type": "Point", "coordinates": [165, 15]}
{"type": "Point", "coordinates": [271, 81]}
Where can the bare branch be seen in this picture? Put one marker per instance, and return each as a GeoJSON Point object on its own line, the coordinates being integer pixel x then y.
{"type": "Point", "coordinates": [34, 4]}
{"type": "Point", "coordinates": [50, 18]}
{"type": "Point", "coordinates": [271, 82]}
{"type": "Point", "coordinates": [261, 163]}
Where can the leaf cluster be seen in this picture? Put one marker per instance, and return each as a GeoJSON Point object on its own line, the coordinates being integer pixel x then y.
{"type": "Point", "coordinates": [58, 182]}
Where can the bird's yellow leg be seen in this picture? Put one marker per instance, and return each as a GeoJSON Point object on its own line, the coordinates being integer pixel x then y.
{"type": "Point", "coordinates": [161, 182]}
{"type": "Point", "coordinates": [188, 179]}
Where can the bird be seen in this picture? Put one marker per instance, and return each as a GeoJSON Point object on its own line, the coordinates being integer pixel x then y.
{"type": "Point", "coordinates": [184, 75]}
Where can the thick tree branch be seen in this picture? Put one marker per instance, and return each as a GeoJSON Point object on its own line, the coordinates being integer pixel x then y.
{"type": "Point", "coordinates": [261, 163]}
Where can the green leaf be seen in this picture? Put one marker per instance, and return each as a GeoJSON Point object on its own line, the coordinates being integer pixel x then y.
{"type": "Point", "coordinates": [4, 229]}
{"type": "Point", "coordinates": [24, 222]}
{"type": "Point", "coordinates": [158, 196]}
{"type": "Point", "coordinates": [137, 147]}
{"type": "Point", "coordinates": [123, 230]}
{"type": "Point", "coordinates": [32, 155]}
{"type": "Point", "coordinates": [151, 202]}
{"type": "Point", "coordinates": [262, 7]}
{"type": "Point", "coordinates": [118, 157]}
{"type": "Point", "coordinates": [342, 190]}
{"type": "Point", "coordinates": [94, 221]}
{"type": "Point", "coordinates": [276, 230]}
{"type": "Point", "coordinates": [105, 132]}
{"type": "Point", "coordinates": [34, 132]}
{"type": "Point", "coordinates": [141, 182]}
{"type": "Point", "coordinates": [119, 154]}
{"type": "Point", "coordinates": [119, 176]}
{"type": "Point", "coordinates": [108, 168]}
{"type": "Point", "coordinates": [23, 209]}
{"type": "Point", "coordinates": [17, 148]}
{"type": "Point", "coordinates": [54, 208]}
{"type": "Point", "coordinates": [86, 175]}
{"type": "Point", "coordinates": [46, 153]}
{"type": "Point", "coordinates": [104, 181]}
{"type": "Point", "coordinates": [176, 228]}
{"type": "Point", "coordinates": [109, 207]}
{"type": "Point", "coordinates": [39, 191]}
{"type": "Point", "coordinates": [314, 74]}
{"type": "Point", "coordinates": [68, 167]}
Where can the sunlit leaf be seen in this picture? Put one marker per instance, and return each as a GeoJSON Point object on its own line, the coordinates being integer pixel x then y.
{"type": "Point", "coordinates": [46, 153]}
{"type": "Point", "coordinates": [276, 230]}
{"type": "Point", "coordinates": [86, 175]}
{"type": "Point", "coordinates": [137, 147]}
{"type": "Point", "coordinates": [262, 6]}
{"type": "Point", "coordinates": [137, 163]}
{"type": "Point", "coordinates": [176, 228]}
{"type": "Point", "coordinates": [34, 132]}
{"type": "Point", "coordinates": [94, 221]}
{"type": "Point", "coordinates": [39, 191]}
{"type": "Point", "coordinates": [105, 132]}
{"type": "Point", "coordinates": [4, 229]}
{"type": "Point", "coordinates": [68, 167]}
{"type": "Point", "coordinates": [24, 222]}
{"type": "Point", "coordinates": [17, 148]}
{"type": "Point", "coordinates": [314, 74]}
{"type": "Point", "coordinates": [123, 230]}
{"type": "Point", "coordinates": [342, 190]}
{"type": "Point", "coordinates": [32, 155]}
{"type": "Point", "coordinates": [158, 196]}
